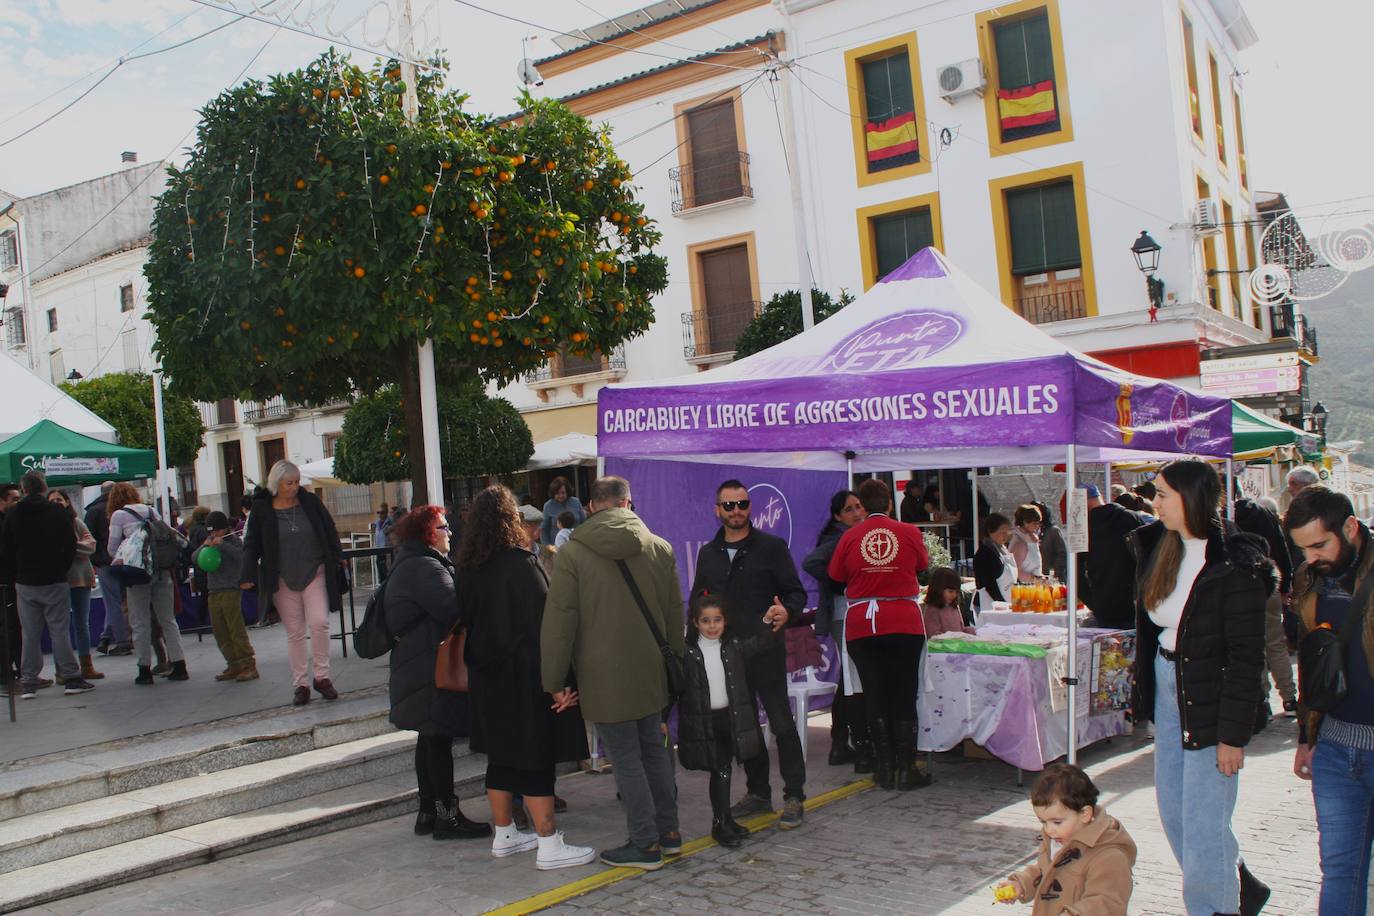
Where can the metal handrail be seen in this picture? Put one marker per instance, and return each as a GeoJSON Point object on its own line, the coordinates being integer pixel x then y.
{"type": "Point", "coordinates": [717, 329]}
{"type": "Point", "coordinates": [1061, 305]}
{"type": "Point", "coordinates": [711, 178]}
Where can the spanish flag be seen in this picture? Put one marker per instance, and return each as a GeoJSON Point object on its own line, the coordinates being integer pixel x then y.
{"type": "Point", "coordinates": [1028, 111]}
{"type": "Point", "coordinates": [892, 142]}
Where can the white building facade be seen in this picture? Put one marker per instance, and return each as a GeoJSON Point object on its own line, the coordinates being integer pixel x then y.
{"type": "Point", "coordinates": [1077, 126]}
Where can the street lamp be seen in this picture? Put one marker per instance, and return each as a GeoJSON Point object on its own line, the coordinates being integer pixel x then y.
{"type": "Point", "coordinates": [1319, 420]}
{"type": "Point", "coordinates": [1146, 254]}
{"type": "Point", "coordinates": [74, 376]}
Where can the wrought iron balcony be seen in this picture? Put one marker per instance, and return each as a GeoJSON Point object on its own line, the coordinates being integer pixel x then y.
{"type": "Point", "coordinates": [566, 366]}
{"type": "Point", "coordinates": [1284, 321]}
{"type": "Point", "coordinates": [1061, 305]}
{"type": "Point", "coordinates": [273, 409]}
{"type": "Point", "coordinates": [709, 179]}
{"type": "Point", "coordinates": [717, 328]}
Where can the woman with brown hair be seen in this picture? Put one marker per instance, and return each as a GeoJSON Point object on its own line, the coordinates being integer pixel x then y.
{"type": "Point", "coordinates": [421, 609]}
{"type": "Point", "coordinates": [524, 731]}
{"type": "Point", "coordinates": [1201, 589]}
{"type": "Point", "coordinates": [149, 601]}
{"type": "Point", "coordinates": [80, 581]}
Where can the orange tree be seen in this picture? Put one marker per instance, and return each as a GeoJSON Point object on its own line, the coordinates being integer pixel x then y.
{"type": "Point", "coordinates": [314, 238]}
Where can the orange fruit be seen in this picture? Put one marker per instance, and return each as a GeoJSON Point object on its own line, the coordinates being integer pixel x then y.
{"type": "Point", "coordinates": [588, 184]}
{"type": "Point", "coordinates": [279, 251]}
{"type": "Point", "coordinates": [506, 275]}
{"type": "Point", "coordinates": [267, 217]}
{"type": "Point", "coordinates": [384, 179]}
{"type": "Point", "coordinates": [615, 182]}
{"type": "Point", "coordinates": [421, 209]}
{"type": "Point", "coordinates": [245, 325]}
{"type": "Point", "coordinates": [317, 93]}
{"type": "Point", "coordinates": [300, 184]}
{"type": "Point", "coordinates": [429, 189]}
{"type": "Point", "coordinates": [391, 148]}
{"type": "Point", "coordinates": [359, 272]}
{"type": "Point", "coordinates": [478, 170]}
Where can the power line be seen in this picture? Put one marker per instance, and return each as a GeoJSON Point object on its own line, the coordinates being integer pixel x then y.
{"type": "Point", "coordinates": [583, 37]}
{"type": "Point", "coordinates": [642, 169]}
{"type": "Point", "coordinates": [120, 63]}
{"type": "Point", "coordinates": [151, 172]}
{"type": "Point", "coordinates": [425, 65]}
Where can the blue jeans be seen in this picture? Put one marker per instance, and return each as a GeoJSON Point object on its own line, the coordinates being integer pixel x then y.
{"type": "Point", "coordinates": [1195, 805]}
{"type": "Point", "coordinates": [112, 594]}
{"type": "Point", "coordinates": [1343, 789]}
{"type": "Point", "coordinates": [81, 620]}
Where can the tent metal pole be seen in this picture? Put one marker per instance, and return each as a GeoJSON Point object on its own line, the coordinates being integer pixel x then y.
{"type": "Point", "coordinates": [1231, 489]}
{"type": "Point", "coordinates": [1107, 482]}
{"type": "Point", "coordinates": [973, 529]}
{"type": "Point", "coordinates": [1071, 678]}
{"type": "Point", "coordinates": [162, 497]}
{"type": "Point", "coordinates": [600, 467]}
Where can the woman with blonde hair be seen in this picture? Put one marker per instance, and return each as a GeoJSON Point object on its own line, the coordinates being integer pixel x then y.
{"type": "Point", "coordinates": [149, 600]}
{"type": "Point", "coordinates": [291, 555]}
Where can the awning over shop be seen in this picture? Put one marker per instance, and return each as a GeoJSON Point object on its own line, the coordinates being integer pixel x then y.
{"type": "Point", "coordinates": [71, 459]}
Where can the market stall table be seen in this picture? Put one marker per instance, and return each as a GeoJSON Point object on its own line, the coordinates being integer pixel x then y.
{"type": "Point", "coordinates": [1013, 704]}
{"type": "Point", "coordinates": [1007, 617]}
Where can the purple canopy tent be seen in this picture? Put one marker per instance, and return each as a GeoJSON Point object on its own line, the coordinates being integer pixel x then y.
{"type": "Point", "coordinates": [926, 369]}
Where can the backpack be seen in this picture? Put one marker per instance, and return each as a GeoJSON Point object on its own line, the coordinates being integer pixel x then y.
{"type": "Point", "coordinates": [373, 638]}
{"type": "Point", "coordinates": [161, 546]}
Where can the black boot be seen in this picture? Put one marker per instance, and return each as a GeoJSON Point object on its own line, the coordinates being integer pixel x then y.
{"type": "Point", "coordinates": [179, 672]}
{"type": "Point", "coordinates": [884, 762]}
{"type": "Point", "coordinates": [424, 820]}
{"type": "Point", "coordinates": [856, 715]}
{"type": "Point", "coordinates": [840, 751]}
{"type": "Point", "coordinates": [451, 824]}
{"type": "Point", "coordinates": [145, 675]}
{"type": "Point", "coordinates": [724, 830]}
{"type": "Point", "coordinates": [1254, 893]}
{"type": "Point", "coordinates": [908, 775]}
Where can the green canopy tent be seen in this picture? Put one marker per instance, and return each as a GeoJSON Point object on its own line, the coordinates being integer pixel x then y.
{"type": "Point", "coordinates": [1253, 432]}
{"type": "Point", "coordinates": [70, 459]}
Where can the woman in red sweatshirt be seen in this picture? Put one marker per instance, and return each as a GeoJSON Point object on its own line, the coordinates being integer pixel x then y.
{"type": "Point", "coordinates": [878, 560]}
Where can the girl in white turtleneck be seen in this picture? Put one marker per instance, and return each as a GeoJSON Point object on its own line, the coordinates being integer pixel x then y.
{"type": "Point", "coordinates": [717, 721]}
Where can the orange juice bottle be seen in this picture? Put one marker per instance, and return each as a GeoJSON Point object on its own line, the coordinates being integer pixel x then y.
{"type": "Point", "coordinates": [1016, 597]}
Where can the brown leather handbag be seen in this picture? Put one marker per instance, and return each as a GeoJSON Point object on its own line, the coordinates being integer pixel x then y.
{"type": "Point", "coordinates": [450, 670]}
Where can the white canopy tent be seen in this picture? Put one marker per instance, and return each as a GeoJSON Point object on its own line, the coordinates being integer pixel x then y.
{"type": "Point", "coordinates": [29, 399]}
{"type": "Point", "coordinates": [573, 448]}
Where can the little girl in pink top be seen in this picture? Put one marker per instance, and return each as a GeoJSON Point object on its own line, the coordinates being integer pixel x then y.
{"type": "Point", "coordinates": [941, 607]}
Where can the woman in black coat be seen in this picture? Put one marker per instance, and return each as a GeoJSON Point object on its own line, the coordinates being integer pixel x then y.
{"type": "Point", "coordinates": [524, 731]}
{"type": "Point", "coordinates": [1201, 590]}
{"type": "Point", "coordinates": [291, 554]}
{"type": "Point", "coordinates": [421, 606]}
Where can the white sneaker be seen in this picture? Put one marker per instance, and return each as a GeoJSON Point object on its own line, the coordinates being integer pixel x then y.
{"type": "Point", "coordinates": [507, 841]}
{"type": "Point", "coordinates": [554, 853]}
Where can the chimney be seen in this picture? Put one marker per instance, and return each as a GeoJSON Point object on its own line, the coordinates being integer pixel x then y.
{"type": "Point", "coordinates": [128, 156]}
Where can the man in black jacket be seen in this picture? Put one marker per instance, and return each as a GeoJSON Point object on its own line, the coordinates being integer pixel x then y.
{"type": "Point", "coordinates": [9, 614]}
{"type": "Point", "coordinates": [755, 574]}
{"type": "Point", "coordinates": [37, 547]}
{"type": "Point", "coordinates": [1251, 517]}
{"type": "Point", "coordinates": [1108, 587]}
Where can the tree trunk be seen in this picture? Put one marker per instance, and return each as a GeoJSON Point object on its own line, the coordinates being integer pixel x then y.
{"type": "Point", "coordinates": [415, 430]}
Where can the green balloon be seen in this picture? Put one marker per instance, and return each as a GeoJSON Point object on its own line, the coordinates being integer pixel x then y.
{"type": "Point", "coordinates": [209, 559]}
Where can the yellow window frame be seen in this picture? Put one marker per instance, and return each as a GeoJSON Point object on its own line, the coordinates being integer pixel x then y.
{"type": "Point", "coordinates": [1192, 85]}
{"type": "Point", "coordinates": [868, 244]}
{"type": "Point", "coordinates": [1218, 119]}
{"type": "Point", "coordinates": [853, 61]}
{"type": "Point", "coordinates": [988, 52]}
{"type": "Point", "coordinates": [1209, 248]}
{"type": "Point", "coordinates": [1237, 292]}
{"type": "Point", "coordinates": [997, 192]}
{"type": "Point", "coordinates": [1242, 167]}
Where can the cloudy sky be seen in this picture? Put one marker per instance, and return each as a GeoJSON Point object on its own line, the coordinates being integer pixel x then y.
{"type": "Point", "coordinates": [1307, 134]}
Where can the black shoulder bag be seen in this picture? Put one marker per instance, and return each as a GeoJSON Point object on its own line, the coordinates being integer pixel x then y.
{"type": "Point", "coordinates": [1322, 678]}
{"type": "Point", "coordinates": [677, 680]}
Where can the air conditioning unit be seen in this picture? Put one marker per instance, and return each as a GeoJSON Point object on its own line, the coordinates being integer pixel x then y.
{"type": "Point", "coordinates": [961, 79]}
{"type": "Point", "coordinates": [1207, 218]}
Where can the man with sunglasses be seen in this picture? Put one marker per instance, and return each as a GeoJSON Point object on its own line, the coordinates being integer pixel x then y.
{"type": "Point", "coordinates": [755, 574]}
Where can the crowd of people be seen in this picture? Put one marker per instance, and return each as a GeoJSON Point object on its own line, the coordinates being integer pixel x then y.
{"type": "Point", "coordinates": [572, 616]}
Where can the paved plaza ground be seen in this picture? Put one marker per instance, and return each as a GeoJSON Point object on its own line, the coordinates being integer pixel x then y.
{"type": "Point", "coordinates": [935, 851]}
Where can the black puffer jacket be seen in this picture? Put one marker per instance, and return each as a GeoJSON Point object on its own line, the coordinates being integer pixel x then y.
{"type": "Point", "coordinates": [1109, 565]}
{"type": "Point", "coordinates": [261, 548]}
{"type": "Point", "coordinates": [1255, 519]}
{"type": "Point", "coordinates": [762, 569]}
{"type": "Point", "coordinates": [422, 605]}
{"type": "Point", "coordinates": [1220, 638]}
{"type": "Point", "coordinates": [696, 743]}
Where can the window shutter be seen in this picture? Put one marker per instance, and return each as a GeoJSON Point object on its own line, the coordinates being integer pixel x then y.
{"type": "Point", "coordinates": [890, 136]}
{"type": "Point", "coordinates": [1044, 229]}
{"type": "Point", "coordinates": [715, 166]}
{"type": "Point", "coordinates": [1027, 98]}
{"type": "Point", "coordinates": [729, 298]}
{"type": "Point", "coordinates": [898, 236]}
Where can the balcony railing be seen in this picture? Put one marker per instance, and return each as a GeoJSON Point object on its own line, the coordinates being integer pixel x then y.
{"type": "Point", "coordinates": [565, 366]}
{"type": "Point", "coordinates": [709, 179]}
{"type": "Point", "coordinates": [1056, 306]}
{"type": "Point", "coordinates": [717, 329]}
{"type": "Point", "coordinates": [273, 409]}
{"type": "Point", "coordinates": [1285, 322]}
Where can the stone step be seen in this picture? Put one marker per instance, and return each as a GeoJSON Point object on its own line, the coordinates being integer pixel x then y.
{"type": "Point", "coordinates": [116, 767]}
{"type": "Point", "coordinates": [58, 833]}
{"type": "Point", "coordinates": [374, 800]}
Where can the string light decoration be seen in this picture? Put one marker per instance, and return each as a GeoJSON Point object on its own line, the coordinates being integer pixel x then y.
{"type": "Point", "coordinates": [346, 237]}
{"type": "Point", "coordinates": [1305, 267]}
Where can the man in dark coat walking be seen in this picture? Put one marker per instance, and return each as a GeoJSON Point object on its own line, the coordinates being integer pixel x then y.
{"type": "Point", "coordinates": [755, 574]}
{"type": "Point", "coordinates": [1108, 586]}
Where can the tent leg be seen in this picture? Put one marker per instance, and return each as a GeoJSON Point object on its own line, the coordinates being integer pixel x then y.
{"type": "Point", "coordinates": [1071, 679]}
{"type": "Point", "coordinates": [1230, 489]}
{"type": "Point", "coordinates": [600, 467]}
{"type": "Point", "coordinates": [1107, 482]}
{"type": "Point", "coordinates": [973, 529]}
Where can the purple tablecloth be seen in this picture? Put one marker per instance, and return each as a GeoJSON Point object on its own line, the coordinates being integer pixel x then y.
{"type": "Point", "coordinates": [1004, 704]}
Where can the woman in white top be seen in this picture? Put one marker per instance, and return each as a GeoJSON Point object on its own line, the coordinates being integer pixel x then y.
{"type": "Point", "coordinates": [1199, 656]}
{"type": "Point", "coordinates": [1025, 541]}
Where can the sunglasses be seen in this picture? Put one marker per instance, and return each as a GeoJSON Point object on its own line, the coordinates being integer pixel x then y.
{"type": "Point", "coordinates": [731, 505]}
